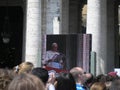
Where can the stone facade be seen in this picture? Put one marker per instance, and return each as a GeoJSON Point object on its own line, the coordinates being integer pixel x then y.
{"type": "Point", "coordinates": [38, 21]}
{"type": "Point", "coordinates": [52, 10]}
{"type": "Point", "coordinates": [33, 32]}
{"type": "Point", "coordinates": [100, 23]}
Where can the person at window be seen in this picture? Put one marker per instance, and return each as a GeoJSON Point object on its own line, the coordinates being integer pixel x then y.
{"type": "Point", "coordinates": [54, 58]}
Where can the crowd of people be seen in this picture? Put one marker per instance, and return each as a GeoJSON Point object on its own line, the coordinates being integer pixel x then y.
{"type": "Point", "coordinates": [27, 77]}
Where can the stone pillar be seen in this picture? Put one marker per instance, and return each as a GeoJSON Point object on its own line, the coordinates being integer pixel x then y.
{"type": "Point", "coordinates": [64, 17]}
{"type": "Point", "coordinates": [33, 32]}
{"type": "Point", "coordinates": [97, 26]}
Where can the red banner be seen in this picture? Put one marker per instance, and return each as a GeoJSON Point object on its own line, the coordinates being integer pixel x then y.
{"type": "Point", "coordinates": [55, 69]}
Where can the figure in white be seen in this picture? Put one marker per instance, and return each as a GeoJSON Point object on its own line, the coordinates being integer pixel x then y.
{"type": "Point", "coordinates": [54, 58]}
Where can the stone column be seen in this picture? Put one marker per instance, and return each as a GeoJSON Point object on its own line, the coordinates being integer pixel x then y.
{"type": "Point", "coordinates": [97, 26]}
{"type": "Point", "coordinates": [64, 17]}
{"type": "Point", "coordinates": [33, 32]}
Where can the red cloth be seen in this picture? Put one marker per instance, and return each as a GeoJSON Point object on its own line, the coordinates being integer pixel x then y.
{"type": "Point", "coordinates": [57, 70]}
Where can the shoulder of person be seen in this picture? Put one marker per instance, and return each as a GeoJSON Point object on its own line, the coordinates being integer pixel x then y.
{"type": "Point", "coordinates": [50, 51]}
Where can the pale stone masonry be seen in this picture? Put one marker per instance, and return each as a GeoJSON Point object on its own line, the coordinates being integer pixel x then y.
{"type": "Point", "coordinates": [52, 10]}
{"type": "Point", "coordinates": [33, 32]}
{"type": "Point", "coordinates": [39, 21]}
{"type": "Point", "coordinates": [97, 25]}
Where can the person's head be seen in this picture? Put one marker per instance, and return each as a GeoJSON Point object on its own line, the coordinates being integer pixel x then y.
{"type": "Point", "coordinates": [26, 82]}
{"type": "Point", "coordinates": [54, 46]}
{"type": "Point", "coordinates": [41, 73]}
{"type": "Point", "coordinates": [101, 78]}
{"type": "Point", "coordinates": [5, 78]}
{"type": "Point", "coordinates": [98, 86]}
{"type": "Point", "coordinates": [25, 67]}
{"type": "Point", "coordinates": [78, 74]}
{"type": "Point", "coordinates": [65, 81]}
{"type": "Point", "coordinates": [115, 85]}
{"type": "Point", "coordinates": [89, 79]}
{"type": "Point", "coordinates": [108, 82]}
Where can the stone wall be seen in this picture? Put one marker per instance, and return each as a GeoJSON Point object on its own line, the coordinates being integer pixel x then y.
{"type": "Point", "coordinates": [52, 10]}
{"type": "Point", "coordinates": [33, 32]}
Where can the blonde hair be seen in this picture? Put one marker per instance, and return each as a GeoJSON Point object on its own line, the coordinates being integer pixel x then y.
{"type": "Point", "coordinates": [98, 86]}
{"type": "Point", "coordinates": [25, 67]}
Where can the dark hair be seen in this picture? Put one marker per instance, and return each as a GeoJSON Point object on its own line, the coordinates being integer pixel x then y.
{"type": "Point", "coordinates": [65, 82]}
{"type": "Point", "coordinates": [41, 73]}
{"type": "Point", "coordinates": [101, 78]}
